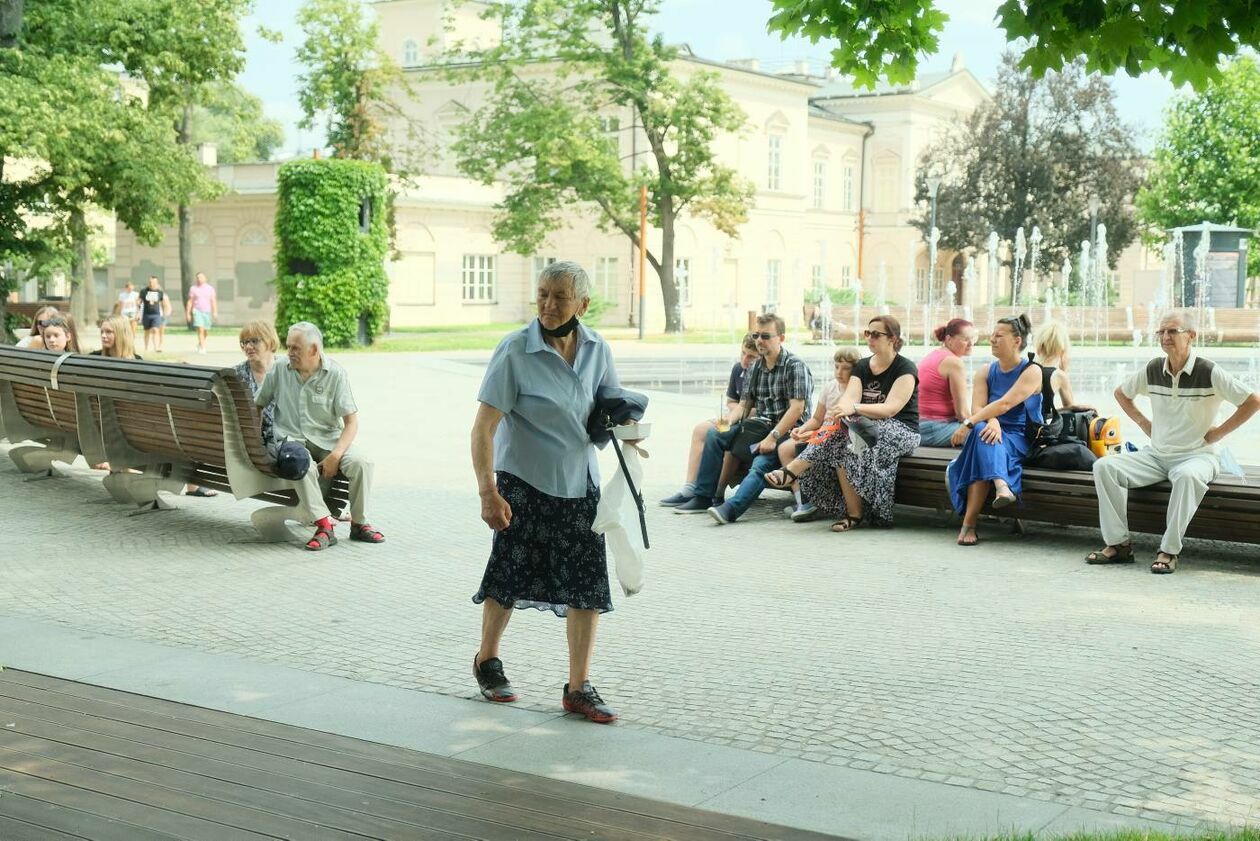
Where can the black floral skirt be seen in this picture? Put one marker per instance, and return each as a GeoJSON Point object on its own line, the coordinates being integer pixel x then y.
{"type": "Point", "coordinates": [547, 558]}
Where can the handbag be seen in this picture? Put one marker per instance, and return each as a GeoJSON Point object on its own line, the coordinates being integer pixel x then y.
{"type": "Point", "coordinates": [748, 434]}
{"type": "Point", "coordinates": [613, 407]}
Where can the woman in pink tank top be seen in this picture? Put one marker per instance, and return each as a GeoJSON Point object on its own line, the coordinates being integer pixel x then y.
{"type": "Point", "coordinates": [943, 383]}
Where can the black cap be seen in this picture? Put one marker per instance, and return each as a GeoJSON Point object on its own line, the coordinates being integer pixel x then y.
{"type": "Point", "coordinates": [292, 461]}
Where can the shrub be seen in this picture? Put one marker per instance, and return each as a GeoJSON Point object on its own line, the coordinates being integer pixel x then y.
{"type": "Point", "coordinates": [331, 241]}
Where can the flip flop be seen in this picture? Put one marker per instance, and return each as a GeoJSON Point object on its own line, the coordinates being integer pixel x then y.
{"type": "Point", "coordinates": [845, 524]}
{"type": "Point", "coordinates": [962, 534]}
{"type": "Point", "coordinates": [201, 492]}
{"type": "Point", "coordinates": [1003, 500]}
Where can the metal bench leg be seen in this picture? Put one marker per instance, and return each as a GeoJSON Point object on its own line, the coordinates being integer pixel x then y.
{"type": "Point", "coordinates": [38, 461]}
{"type": "Point", "coordinates": [142, 491]}
{"type": "Point", "coordinates": [272, 523]}
{"type": "Point", "coordinates": [115, 485]}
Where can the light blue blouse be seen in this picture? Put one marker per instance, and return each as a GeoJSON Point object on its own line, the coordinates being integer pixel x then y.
{"type": "Point", "coordinates": [542, 438]}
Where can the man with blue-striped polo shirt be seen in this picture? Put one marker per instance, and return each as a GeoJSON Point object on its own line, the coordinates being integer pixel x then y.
{"type": "Point", "coordinates": [1185, 391]}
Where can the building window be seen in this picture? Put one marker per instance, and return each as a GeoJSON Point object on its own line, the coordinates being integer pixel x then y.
{"type": "Point", "coordinates": [682, 277]}
{"type": "Point", "coordinates": [921, 281]}
{"type": "Point", "coordinates": [610, 127]}
{"type": "Point", "coordinates": [887, 178]}
{"type": "Point", "coordinates": [772, 284]}
{"type": "Point", "coordinates": [411, 54]}
{"type": "Point", "coordinates": [816, 277]}
{"type": "Point", "coordinates": [848, 187]}
{"type": "Point", "coordinates": [774, 161]}
{"type": "Point", "coordinates": [538, 263]}
{"type": "Point", "coordinates": [820, 182]}
{"type": "Point", "coordinates": [846, 276]}
{"type": "Point", "coordinates": [479, 275]}
{"type": "Point", "coordinates": [606, 280]}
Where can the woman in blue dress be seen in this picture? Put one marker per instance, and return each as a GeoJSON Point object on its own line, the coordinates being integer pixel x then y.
{"type": "Point", "coordinates": [1005, 393]}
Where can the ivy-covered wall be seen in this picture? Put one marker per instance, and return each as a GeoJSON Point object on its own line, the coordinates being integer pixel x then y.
{"type": "Point", "coordinates": [331, 241]}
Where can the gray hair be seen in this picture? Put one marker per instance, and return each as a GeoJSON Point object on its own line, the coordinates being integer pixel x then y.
{"type": "Point", "coordinates": [570, 271]}
{"type": "Point", "coordinates": [310, 333]}
{"type": "Point", "coordinates": [1188, 318]}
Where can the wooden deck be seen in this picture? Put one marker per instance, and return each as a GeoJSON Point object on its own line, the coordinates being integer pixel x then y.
{"type": "Point", "coordinates": [83, 762]}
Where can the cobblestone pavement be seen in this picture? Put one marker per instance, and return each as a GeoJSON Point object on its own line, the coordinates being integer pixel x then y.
{"type": "Point", "coordinates": [1010, 667]}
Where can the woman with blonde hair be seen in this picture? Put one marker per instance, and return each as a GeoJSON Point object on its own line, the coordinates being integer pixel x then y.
{"type": "Point", "coordinates": [1051, 344]}
{"type": "Point", "coordinates": [118, 338]}
{"type": "Point", "coordinates": [259, 343]}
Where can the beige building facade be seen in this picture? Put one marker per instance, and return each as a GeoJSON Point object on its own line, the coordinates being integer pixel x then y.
{"type": "Point", "coordinates": [834, 169]}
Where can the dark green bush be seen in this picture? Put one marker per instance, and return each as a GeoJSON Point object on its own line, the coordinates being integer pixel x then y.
{"type": "Point", "coordinates": [329, 271]}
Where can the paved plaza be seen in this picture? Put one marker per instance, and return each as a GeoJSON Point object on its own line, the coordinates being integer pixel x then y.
{"type": "Point", "coordinates": [878, 684]}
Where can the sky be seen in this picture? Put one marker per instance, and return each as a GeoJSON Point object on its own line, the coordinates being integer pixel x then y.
{"type": "Point", "coordinates": [714, 29]}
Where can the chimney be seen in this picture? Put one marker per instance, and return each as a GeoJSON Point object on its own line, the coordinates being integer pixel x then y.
{"type": "Point", "coordinates": [208, 154]}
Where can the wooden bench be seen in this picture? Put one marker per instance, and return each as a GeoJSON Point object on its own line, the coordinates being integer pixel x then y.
{"type": "Point", "coordinates": [1230, 511]}
{"type": "Point", "coordinates": [173, 423]}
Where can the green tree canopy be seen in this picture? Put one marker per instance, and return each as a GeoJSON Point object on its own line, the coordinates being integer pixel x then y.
{"type": "Point", "coordinates": [354, 88]}
{"type": "Point", "coordinates": [886, 38]}
{"type": "Point", "coordinates": [554, 138]}
{"type": "Point", "coordinates": [1206, 165]}
{"type": "Point", "coordinates": [232, 118]}
{"type": "Point", "coordinates": [1033, 157]}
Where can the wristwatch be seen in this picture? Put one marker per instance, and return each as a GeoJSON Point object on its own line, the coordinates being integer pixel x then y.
{"type": "Point", "coordinates": [967, 423]}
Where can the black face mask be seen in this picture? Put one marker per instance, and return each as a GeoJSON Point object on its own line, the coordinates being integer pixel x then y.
{"type": "Point", "coordinates": [561, 331]}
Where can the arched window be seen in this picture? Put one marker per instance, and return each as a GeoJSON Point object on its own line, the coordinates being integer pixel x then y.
{"type": "Point", "coordinates": [411, 53]}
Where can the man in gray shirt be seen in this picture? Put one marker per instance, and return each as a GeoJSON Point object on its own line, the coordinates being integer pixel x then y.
{"type": "Point", "coordinates": [314, 406]}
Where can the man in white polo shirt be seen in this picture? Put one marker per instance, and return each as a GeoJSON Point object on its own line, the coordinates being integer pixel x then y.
{"type": "Point", "coordinates": [1185, 391]}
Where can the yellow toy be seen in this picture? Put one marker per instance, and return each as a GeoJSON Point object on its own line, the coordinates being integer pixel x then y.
{"type": "Point", "coordinates": [1104, 436]}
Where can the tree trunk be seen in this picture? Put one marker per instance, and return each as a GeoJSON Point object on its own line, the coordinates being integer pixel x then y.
{"type": "Point", "coordinates": [83, 294]}
{"type": "Point", "coordinates": [10, 23]}
{"type": "Point", "coordinates": [7, 280]}
{"type": "Point", "coordinates": [669, 286]}
{"type": "Point", "coordinates": [185, 222]}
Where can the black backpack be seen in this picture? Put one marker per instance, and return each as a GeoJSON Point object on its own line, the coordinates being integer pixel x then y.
{"type": "Point", "coordinates": [1054, 442]}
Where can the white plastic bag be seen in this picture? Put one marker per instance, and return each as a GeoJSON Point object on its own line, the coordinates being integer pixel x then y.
{"type": "Point", "coordinates": [617, 513]}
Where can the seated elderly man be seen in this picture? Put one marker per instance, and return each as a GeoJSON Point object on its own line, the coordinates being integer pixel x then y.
{"type": "Point", "coordinates": [1185, 391]}
{"type": "Point", "coordinates": [778, 388]}
{"type": "Point", "coordinates": [314, 406]}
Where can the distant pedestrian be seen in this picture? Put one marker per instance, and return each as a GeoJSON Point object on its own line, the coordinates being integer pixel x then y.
{"type": "Point", "coordinates": [128, 305]}
{"type": "Point", "coordinates": [155, 307]}
{"type": "Point", "coordinates": [202, 309]}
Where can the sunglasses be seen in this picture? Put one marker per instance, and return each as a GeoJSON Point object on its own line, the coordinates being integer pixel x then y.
{"type": "Point", "coordinates": [1171, 331]}
{"type": "Point", "coordinates": [875, 334]}
{"type": "Point", "coordinates": [765, 337]}
{"type": "Point", "coordinates": [44, 322]}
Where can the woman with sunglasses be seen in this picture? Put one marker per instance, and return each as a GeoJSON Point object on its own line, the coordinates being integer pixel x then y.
{"type": "Point", "coordinates": [1004, 394]}
{"type": "Point", "coordinates": [259, 343]}
{"type": "Point", "coordinates": [881, 399]}
{"type": "Point", "coordinates": [34, 339]}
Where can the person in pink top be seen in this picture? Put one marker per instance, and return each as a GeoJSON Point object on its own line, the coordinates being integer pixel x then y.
{"type": "Point", "coordinates": [943, 383]}
{"type": "Point", "coordinates": [202, 309]}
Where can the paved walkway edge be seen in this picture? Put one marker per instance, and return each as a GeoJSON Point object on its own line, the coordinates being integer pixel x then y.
{"type": "Point", "coordinates": [847, 802]}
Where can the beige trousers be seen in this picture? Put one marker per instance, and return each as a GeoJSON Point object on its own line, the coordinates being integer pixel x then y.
{"type": "Point", "coordinates": [1188, 473]}
{"type": "Point", "coordinates": [311, 490]}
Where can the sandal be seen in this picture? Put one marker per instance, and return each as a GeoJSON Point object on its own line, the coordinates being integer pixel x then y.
{"type": "Point", "coordinates": [1123, 555]}
{"type": "Point", "coordinates": [322, 540]}
{"type": "Point", "coordinates": [962, 536]}
{"type": "Point", "coordinates": [1001, 501]}
{"type": "Point", "coordinates": [365, 533]}
{"type": "Point", "coordinates": [846, 524]}
{"type": "Point", "coordinates": [199, 491]}
{"type": "Point", "coordinates": [781, 478]}
{"type": "Point", "coordinates": [1164, 567]}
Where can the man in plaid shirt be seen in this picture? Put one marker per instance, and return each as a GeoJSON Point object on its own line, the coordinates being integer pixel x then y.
{"type": "Point", "coordinates": [778, 385]}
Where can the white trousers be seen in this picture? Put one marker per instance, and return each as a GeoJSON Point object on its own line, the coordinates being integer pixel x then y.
{"type": "Point", "coordinates": [1189, 474]}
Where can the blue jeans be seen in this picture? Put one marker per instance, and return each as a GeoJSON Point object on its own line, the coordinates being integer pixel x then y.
{"type": "Point", "coordinates": [937, 433]}
{"type": "Point", "coordinates": [718, 444]}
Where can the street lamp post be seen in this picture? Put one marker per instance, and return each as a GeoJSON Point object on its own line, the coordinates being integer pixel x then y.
{"type": "Point", "coordinates": [933, 185]}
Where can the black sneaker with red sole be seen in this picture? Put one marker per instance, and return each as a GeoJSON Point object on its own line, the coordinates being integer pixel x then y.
{"type": "Point", "coordinates": [494, 684]}
{"type": "Point", "coordinates": [588, 703]}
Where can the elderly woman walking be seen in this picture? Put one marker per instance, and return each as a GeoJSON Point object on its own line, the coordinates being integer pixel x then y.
{"type": "Point", "coordinates": [538, 480]}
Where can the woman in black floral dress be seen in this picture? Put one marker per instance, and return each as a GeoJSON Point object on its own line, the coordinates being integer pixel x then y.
{"type": "Point", "coordinates": [538, 481]}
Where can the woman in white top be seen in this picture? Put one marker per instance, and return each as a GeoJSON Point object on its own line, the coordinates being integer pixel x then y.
{"type": "Point", "coordinates": [34, 339]}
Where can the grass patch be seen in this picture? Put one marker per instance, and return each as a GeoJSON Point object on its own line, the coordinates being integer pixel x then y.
{"type": "Point", "coordinates": [1136, 835]}
{"type": "Point", "coordinates": [499, 329]}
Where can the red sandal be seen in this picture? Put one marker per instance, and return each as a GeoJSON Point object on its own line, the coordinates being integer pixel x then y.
{"type": "Point", "coordinates": [364, 533]}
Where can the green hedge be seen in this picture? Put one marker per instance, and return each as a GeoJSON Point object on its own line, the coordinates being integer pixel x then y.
{"type": "Point", "coordinates": [328, 271]}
